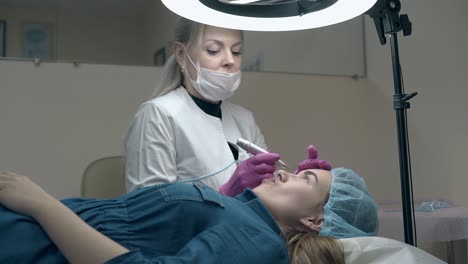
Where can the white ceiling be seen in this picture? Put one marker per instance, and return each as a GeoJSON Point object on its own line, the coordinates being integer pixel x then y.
{"type": "Point", "coordinates": [122, 7]}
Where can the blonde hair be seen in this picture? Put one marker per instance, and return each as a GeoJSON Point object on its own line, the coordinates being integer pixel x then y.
{"type": "Point", "coordinates": [188, 33]}
{"type": "Point", "coordinates": [308, 248]}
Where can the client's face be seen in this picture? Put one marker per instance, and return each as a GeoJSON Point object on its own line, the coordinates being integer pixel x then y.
{"type": "Point", "coordinates": [291, 197]}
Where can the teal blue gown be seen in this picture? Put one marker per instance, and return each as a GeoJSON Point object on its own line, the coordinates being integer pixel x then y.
{"type": "Point", "coordinates": [175, 223]}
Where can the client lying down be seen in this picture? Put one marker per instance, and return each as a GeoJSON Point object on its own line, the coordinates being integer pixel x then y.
{"type": "Point", "coordinates": [189, 222]}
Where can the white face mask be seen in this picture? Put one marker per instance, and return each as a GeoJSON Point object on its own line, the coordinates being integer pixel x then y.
{"type": "Point", "coordinates": [212, 85]}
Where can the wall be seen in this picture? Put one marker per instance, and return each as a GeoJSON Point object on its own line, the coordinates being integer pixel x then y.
{"type": "Point", "coordinates": [57, 118]}
{"type": "Point", "coordinates": [61, 117]}
{"type": "Point", "coordinates": [435, 62]}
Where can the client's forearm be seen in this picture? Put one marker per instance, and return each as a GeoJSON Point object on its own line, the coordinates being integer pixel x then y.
{"type": "Point", "coordinates": [78, 241]}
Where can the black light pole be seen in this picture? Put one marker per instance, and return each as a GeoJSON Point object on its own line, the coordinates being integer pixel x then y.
{"type": "Point", "coordinates": [388, 21]}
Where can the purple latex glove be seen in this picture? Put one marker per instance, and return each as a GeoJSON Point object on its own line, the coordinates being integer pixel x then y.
{"type": "Point", "coordinates": [313, 162]}
{"type": "Point", "coordinates": [250, 173]}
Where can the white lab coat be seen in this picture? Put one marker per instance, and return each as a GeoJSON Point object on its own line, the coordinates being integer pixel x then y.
{"type": "Point", "coordinates": [171, 139]}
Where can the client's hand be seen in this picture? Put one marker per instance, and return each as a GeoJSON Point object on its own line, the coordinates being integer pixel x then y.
{"type": "Point", "coordinates": [18, 193]}
{"type": "Point", "coordinates": [250, 173]}
{"type": "Point", "coordinates": [313, 162]}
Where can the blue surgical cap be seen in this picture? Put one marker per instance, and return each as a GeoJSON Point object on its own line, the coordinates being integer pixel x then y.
{"type": "Point", "coordinates": [350, 210]}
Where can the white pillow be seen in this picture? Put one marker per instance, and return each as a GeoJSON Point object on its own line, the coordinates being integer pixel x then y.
{"type": "Point", "coordinates": [380, 250]}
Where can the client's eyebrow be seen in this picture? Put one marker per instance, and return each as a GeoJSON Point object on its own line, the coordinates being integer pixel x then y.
{"type": "Point", "coordinates": [311, 173]}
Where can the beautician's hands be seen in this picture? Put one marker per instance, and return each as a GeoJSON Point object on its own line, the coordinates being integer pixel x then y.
{"type": "Point", "coordinates": [19, 194]}
{"type": "Point", "coordinates": [313, 162]}
{"type": "Point", "coordinates": [250, 173]}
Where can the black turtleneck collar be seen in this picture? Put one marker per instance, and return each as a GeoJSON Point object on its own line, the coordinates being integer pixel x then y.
{"type": "Point", "coordinates": [212, 109]}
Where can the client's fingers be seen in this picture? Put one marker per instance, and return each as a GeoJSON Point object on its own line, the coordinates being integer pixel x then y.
{"type": "Point", "coordinates": [4, 175]}
{"type": "Point", "coordinates": [8, 174]}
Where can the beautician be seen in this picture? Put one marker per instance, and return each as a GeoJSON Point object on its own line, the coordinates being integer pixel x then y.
{"type": "Point", "coordinates": [190, 130]}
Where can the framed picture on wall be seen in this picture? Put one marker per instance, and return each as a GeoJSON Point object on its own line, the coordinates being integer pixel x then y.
{"type": "Point", "coordinates": [38, 40]}
{"type": "Point", "coordinates": [2, 38]}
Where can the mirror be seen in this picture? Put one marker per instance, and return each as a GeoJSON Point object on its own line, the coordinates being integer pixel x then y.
{"type": "Point", "coordinates": [138, 32]}
{"type": "Point", "coordinates": [332, 50]}
{"type": "Point", "coordinates": [92, 31]}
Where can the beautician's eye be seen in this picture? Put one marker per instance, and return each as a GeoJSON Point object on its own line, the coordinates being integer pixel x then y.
{"type": "Point", "coordinates": [237, 53]}
{"type": "Point", "coordinates": [212, 52]}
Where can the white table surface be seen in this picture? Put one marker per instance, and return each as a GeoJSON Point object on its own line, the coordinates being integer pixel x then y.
{"type": "Point", "coordinates": [444, 224]}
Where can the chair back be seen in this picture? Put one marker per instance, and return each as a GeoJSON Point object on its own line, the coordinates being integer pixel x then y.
{"type": "Point", "coordinates": [104, 178]}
